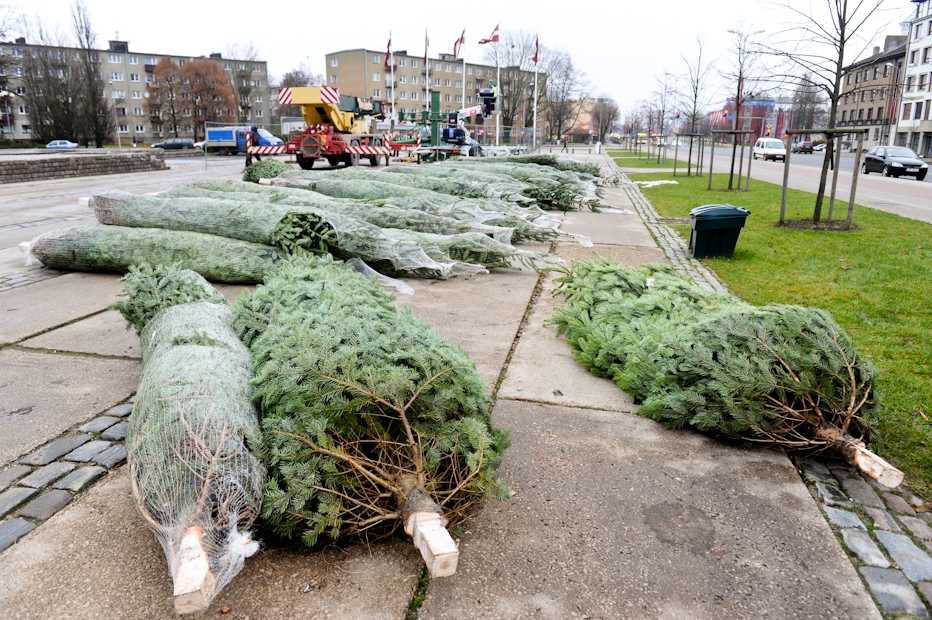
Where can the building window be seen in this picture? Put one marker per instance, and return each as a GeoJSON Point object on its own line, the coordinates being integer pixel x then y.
{"type": "Point", "coordinates": [437, 67]}
{"type": "Point", "coordinates": [149, 78]}
{"type": "Point", "coordinates": [447, 67]}
{"type": "Point", "coordinates": [912, 56]}
{"type": "Point", "coordinates": [926, 116]}
{"type": "Point", "coordinates": [880, 112]}
{"type": "Point", "coordinates": [20, 90]}
{"type": "Point", "coordinates": [909, 83]}
{"type": "Point", "coordinates": [861, 114]}
{"type": "Point", "coordinates": [137, 111]}
{"type": "Point", "coordinates": [181, 62]}
{"type": "Point", "coordinates": [458, 99]}
{"type": "Point", "coordinates": [116, 76]}
{"type": "Point", "coordinates": [414, 63]}
{"type": "Point", "coordinates": [375, 77]}
{"type": "Point", "coordinates": [446, 83]}
{"type": "Point", "coordinates": [402, 62]}
{"type": "Point", "coordinates": [140, 128]}
{"type": "Point", "coordinates": [334, 79]}
{"type": "Point", "coordinates": [122, 129]}
{"type": "Point", "coordinates": [133, 77]}
{"type": "Point", "coordinates": [403, 95]}
{"type": "Point", "coordinates": [25, 129]}
{"type": "Point", "coordinates": [446, 98]}
{"type": "Point", "coordinates": [258, 113]}
{"type": "Point", "coordinates": [152, 60]}
{"type": "Point", "coordinates": [257, 68]}
{"type": "Point", "coordinates": [134, 60]}
{"type": "Point", "coordinates": [873, 95]}
{"type": "Point", "coordinates": [883, 93]}
{"type": "Point", "coordinates": [886, 70]}
{"type": "Point", "coordinates": [469, 85]}
{"type": "Point", "coordinates": [377, 92]}
{"type": "Point", "coordinates": [22, 109]}
{"type": "Point", "coordinates": [15, 52]}
{"type": "Point", "coordinates": [918, 112]}
{"type": "Point", "coordinates": [849, 79]}
{"type": "Point", "coordinates": [258, 99]}
{"type": "Point", "coordinates": [241, 66]}
{"type": "Point", "coordinates": [403, 79]}
{"type": "Point", "coordinates": [863, 95]}
{"type": "Point", "coordinates": [468, 98]}
{"type": "Point", "coordinates": [117, 58]}
{"type": "Point", "coordinates": [870, 114]}
{"type": "Point", "coordinates": [876, 133]}
{"type": "Point", "coordinates": [876, 72]}
{"type": "Point", "coordinates": [414, 79]}
{"type": "Point", "coordinates": [414, 96]}
{"type": "Point", "coordinates": [846, 99]}
{"type": "Point", "coordinates": [376, 59]}
{"type": "Point", "coordinates": [119, 94]}
{"type": "Point", "coordinates": [137, 94]}
{"type": "Point", "coordinates": [922, 82]}
{"type": "Point", "coordinates": [907, 108]}
{"type": "Point", "coordinates": [468, 70]}
{"type": "Point", "coordinates": [459, 68]}
{"type": "Point", "coordinates": [256, 83]}
{"type": "Point", "coordinates": [334, 62]}
{"type": "Point", "coordinates": [867, 74]}
{"type": "Point", "coordinates": [857, 77]}
{"type": "Point", "coordinates": [844, 116]}
{"type": "Point", "coordinates": [459, 83]}
{"type": "Point", "coordinates": [436, 81]}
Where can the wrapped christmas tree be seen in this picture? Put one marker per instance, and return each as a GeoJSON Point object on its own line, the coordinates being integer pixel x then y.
{"type": "Point", "coordinates": [371, 420]}
{"type": "Point", "coordinates": [778, 375]}
{"type": "Point", "coordinates": [193, 439]}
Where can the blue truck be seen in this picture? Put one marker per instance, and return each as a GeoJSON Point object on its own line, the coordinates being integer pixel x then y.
{"type": "Point", "coordinates": [232, 139]}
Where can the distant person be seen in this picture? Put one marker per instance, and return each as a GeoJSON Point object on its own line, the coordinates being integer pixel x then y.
{"type": "Point", "coordinates": [564, 150]}
{"type": "Point", "coordinates": [254, 141]}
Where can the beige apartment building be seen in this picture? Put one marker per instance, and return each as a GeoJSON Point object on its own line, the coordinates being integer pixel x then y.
{"type": "Point", "coordinates": [869, 92]}
{"type": "Point", "coordinates": [363, 73]}
{"type": "Point", "coordinates": [127, 74]}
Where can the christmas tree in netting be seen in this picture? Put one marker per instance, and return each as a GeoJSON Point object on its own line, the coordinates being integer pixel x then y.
{"type": "Point", "coordinates": [778, 374]}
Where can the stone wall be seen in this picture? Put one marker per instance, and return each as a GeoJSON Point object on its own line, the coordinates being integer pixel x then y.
{"type": "Point", "coordinates": [17, 168]}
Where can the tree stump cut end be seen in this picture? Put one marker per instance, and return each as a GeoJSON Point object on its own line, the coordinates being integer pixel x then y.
{"type": "Point", "coordinates": [195, 583]}
{"type": "Point", "coordinates": [432, 539]}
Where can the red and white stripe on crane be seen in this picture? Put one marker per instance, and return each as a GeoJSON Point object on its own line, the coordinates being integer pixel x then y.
{"type": "Point", "coordinates": [368, 150]}
{"type": "Point", "coordinates": [267, 150]}
{"type": "Point", "coordinates": [327, 95]}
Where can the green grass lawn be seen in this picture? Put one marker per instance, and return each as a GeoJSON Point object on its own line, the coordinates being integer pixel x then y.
{"type": "Point", "coordinates": [876, 281]}
{"type": "Point", "coordinates": [631, 160]}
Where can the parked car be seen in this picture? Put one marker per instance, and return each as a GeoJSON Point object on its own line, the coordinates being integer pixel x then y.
{"type": "Point", "coordinates": [175, 143]}
{"type": "Point", "coordinates": [894, 161]}
{"type": "Point", "coordinates": [819, 147]}
{"type": "Point", "coordinates": [802, 147]}
{"type": "Point", "coordinates": [61, 144]}
{"type": "Point", "coordinates": [769, 148]}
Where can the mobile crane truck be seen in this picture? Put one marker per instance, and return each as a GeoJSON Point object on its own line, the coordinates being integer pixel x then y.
{"type": "Point", "coordinates": [340, 128]}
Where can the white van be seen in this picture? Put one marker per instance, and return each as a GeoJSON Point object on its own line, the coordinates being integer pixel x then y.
{"type": "Point", "coordinates": [769, 148]}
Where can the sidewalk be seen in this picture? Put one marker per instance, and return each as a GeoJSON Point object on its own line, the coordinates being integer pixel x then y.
{"type": "Point", "coordinates": [614, 516]}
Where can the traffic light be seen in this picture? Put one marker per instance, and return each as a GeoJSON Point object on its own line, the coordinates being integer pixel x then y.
{"type": "Point", "coordinates": [488, 100]}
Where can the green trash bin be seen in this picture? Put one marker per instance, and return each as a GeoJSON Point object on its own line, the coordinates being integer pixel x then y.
{"type": "Point", "coordinates": [715, 229]}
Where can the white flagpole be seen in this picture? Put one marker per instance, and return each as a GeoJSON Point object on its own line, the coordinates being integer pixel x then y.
{"type": "Point", "coordinates": [536, 64]}
{"type": "Point", "coordinates": [462, 43]}
{"type": "Point", "coordinates": [427, 67]}
{"type": "Point", "coordinates": [498, 86]}
{"type": "Point", "coordinates": [391, 60]}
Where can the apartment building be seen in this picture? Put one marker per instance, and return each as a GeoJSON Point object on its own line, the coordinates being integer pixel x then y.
{"type": "Point", "coordinates": [869, 88]}
{"type": "Point", "coordinates": [127, 74]}
{"type": "Point", "coordinates": [913, 128]}
{"type": "Point", "coordinates": [365, 73]}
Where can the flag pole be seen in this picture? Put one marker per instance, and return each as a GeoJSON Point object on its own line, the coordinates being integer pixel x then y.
{"type": "Point", "coordinates": [463, 82]}
{"type": "Point", "coordinates": [427, 68]}
{"type": "Point", "coordinates": [498, 85]}
{"type": "Point", "coordinates": [536, 64]}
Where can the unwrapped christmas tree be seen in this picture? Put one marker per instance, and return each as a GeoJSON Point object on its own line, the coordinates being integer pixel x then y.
{"type": "Point", "coordinates": [371, 420]}
{"type": "Point", "coordinates": [777, 374]}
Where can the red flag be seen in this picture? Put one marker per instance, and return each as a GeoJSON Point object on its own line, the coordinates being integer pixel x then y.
{"type": "Point", "coordinates": [492, 39]}
{"type": "Point", "coordinates": [388, 51]}
{"type": "Point", "coordinates": [426, 45]}
{"type": "Point", "coordinates": [457, 47]}
{"type": "Point", "coordinates": [536, 49]}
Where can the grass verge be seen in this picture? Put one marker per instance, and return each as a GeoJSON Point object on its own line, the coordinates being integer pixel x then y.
{"type": "Point", "coordinates": [876, 281]}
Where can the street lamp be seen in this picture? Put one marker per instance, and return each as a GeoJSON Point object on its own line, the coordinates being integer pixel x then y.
{"type": "Point", "coordinates": [116, 121]}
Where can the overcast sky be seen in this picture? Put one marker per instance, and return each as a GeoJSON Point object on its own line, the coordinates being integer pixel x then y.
{"type": "Point", "coordinates": [621, 49]}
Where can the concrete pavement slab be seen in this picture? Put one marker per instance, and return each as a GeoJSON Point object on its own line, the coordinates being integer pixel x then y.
{"type": "Point", "coordinates": [30, 310]}
{"type": "Point", "coordinates": [609, 228]}
{"type": "Point", "coordinates": [615, 516]}
{"type": "Point", "coordinates": [481, 313]}
{"type": "Point", "coordinates": [59, 391]}
{"type": "Point", "coordinates": [97, 559]}
{"type": "Point", "coordinates": [633, 255]}
{"type": "Point", "coordinates": [101, 334]}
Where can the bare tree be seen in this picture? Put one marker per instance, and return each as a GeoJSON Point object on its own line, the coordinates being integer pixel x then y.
{"type": "Point", "coordinates": [244, 56]}
{"type": "Point", "coordinates": [744, 70]}
{"type": "Point", "coordinates": [207, 90]}
{"type": "Point", "coordinates": [663, 98]}
{"type": "Point", "coordinates": [807, 104]}
{"type": "Point", "coordinates": [566, 90]}
{"type": "Point", "coordinates": [694, 98]}
{"type": "Point", "coordinates": [95, 112]}
{"type": "Point", "coordinates": [10, 19]}
{"type": "Point", "coordinates": [816, 45]}
{"type": "Point", "coordinates": [50, 83]}
{"type": "Point", "coordinates": [165, 95]}
{"type": "Point", "coordinates": [604, 115]}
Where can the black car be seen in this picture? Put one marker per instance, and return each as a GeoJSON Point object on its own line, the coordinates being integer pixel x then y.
{"type": "Point", "coordinates": [894, 161]}
{"type": "Point", "coordinates": [175, 143]}
{"type": "Point", "coordinates": [802, 147]}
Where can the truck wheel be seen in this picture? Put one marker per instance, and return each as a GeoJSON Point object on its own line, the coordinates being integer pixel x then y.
{"type": "Point", "coordinates": [306, 163]}
{"type": "Point", "coordinates": [353, 158]}
{"type": "Point", "coordinates": [374, 160]}
{"type": "Point", "coordinates": [333, 161]}
{"type": "Point", "coordinates": [223, 151]}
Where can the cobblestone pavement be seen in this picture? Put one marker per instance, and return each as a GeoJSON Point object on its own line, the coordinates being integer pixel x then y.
{"type": "Point", "coordinates": [47, 479]}
{"type": "Point", "coordinates": [30, 276]}
{"type": "Point", "coordinates": [54, 220]}
{"type": "Point", "coordinates": [885, 532]}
